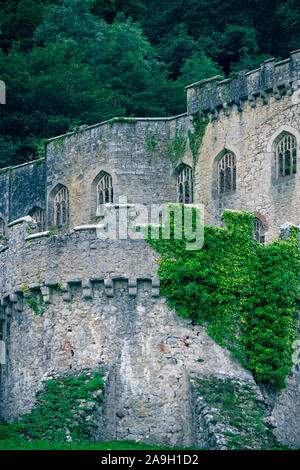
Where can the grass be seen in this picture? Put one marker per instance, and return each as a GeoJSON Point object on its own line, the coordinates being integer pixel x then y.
{"type": "Point", "coordinates": [41, 444]}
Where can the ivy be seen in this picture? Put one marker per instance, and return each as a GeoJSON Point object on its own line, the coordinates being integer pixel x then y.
{"type": "Point", "coordinates": [151, 143]}
{"type": "Point", "coordinates": [35, 300]}
{"type": "Point", "coordinates": [239, 416]}
{"type": "Point", "coordinates": [16, 185]}
{"type": "Point", "coordinates": [177, 148]}
{"type": "Point", "coordinates": [243, 291]}
{"type": "Point", "coordinates": [5, 170]}
{"type": "Point", "coordinates": [225, 91]}
{"type": "Point", "coordinates": [41, 151]}
{"type": "Point", "coordinates": [64, 409]}
{"type": "Point", "coordinates": [58, 142]}
{"type": "Point", "coordinates": [195, 138]}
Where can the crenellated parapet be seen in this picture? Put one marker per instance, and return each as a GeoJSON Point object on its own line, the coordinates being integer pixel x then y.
{"type": "Point", "coordinates": [276, 78]}
{"type": "Point", "coordinates": [39, 264]}
{"type": "Point", "coordinates": [42, 294]}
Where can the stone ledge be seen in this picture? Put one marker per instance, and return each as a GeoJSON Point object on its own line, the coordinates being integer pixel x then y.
{"type": "Point", "coordinates": [27, 219]}
{"type": "Point", "coordinates": [37, 235]}
{"type": "Point", "coordinates": [126, 121]}
{"type": "Point", "coordinates": [81, 228]}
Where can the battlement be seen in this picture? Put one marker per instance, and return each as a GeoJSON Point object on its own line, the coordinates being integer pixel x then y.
{"type": "Point", "coordinates": [273, 77]}
{"type": "Point", "coordinates": [44, 291]}
{"type": "Point", "coordinates": [72, 298]}
{"type": "Point", "coordinates": [43, 261]}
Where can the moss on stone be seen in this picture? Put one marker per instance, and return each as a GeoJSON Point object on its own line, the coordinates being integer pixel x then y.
{"type": "Point", "coordinates": [238, 413]}
{"type": "Point", "coordinates": [176, 149]}
{"type": "Point", "coordinates": [121, 119]}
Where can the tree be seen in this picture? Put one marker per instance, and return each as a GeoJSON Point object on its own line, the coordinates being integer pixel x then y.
{"type": "Point", "coordinates": [72, 62]}
{"type": "Point", "coordinates": [198, 67]}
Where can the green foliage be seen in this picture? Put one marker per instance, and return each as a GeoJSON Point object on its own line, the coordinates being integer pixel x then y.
{"type": "Point", "coordinates": [177, 148]}
{"type": "Point", "coordinates": [244, 292]}
{"type": "Point", "coordinates": [198, 67]}
{"type": "Point", "coordinates": [13, 442]}
{"type": "Point", "coordinates": [120, 119]}
{"type": "Point", "coordinates": [239, 410]}
{"type": "Point", "coordinates": [196, 137]}
{"type": "Point", "coordinates": [34, 299]}
{"type": "Point", "coordinates": [67, 63]}
{"type": "Point", "coordinates": [80, 70]}
{"type": "Point", "coordinates": [271, 327]}
{"type": "Point", "coordinates": [63, 410]}
{"type": "Point", "coordinates": [151, 143]}
{"type": "Point", "coordinates": [36, 302]}
{"type": "Point", "coordinates": [59, 143]}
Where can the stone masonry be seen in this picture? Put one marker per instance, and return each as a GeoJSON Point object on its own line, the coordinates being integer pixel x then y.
{"type": "Point", "coordinates": [102, 308]}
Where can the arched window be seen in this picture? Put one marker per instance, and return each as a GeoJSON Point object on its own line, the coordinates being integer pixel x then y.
{"type": "Point", "coordinates": [61, 207]}
{"type": "Point", "coordinates": [227, 173]}
{"type": "Point", "coordinates": [258, 231]}
{"type": "Point", "coordinates": [105, 192]}
{"type": "Point", "coordinates": [39, 217]}
{"type": "Point", "coordinates": [185, 185]}
{"type": "Point", "coordinates": [286, 156]}
{"type": "Point", "coordinates": [2, 228]}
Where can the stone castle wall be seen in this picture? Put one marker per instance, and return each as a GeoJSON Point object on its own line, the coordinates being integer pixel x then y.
{"type": "Point", "coordinates": [22, 188]}
{"type": "Point", "coordinates": [101, 297]}
{"type": "Point", "coordinates": [140, 171]}
{"type": "Point", "coordinates": [99, 319]}
{"type": "Point", "coordinates": [102, 310]}
{"type": "Point", "coordinates": [133, 151]}
{"type": "Point", "coordinates": [247, 117]}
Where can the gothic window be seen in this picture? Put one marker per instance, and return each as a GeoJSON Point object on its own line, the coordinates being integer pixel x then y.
{"type": "Point", "coordinates": [185, 186]}
{"type": "Point", "coordinates": [61, 207]}
{"type": "Point", "coordinates": [39, 217]}
{"type": "Point", "coordinates": [105, 192]}
{"type": "Point", "coordinates": [2, 228]}
{"type": "Point", "coordinates": [286, 156]}
{"type": "Point", "coordinates": [227, 173]}
{"type": "Point", "coordinates": [259, 230]}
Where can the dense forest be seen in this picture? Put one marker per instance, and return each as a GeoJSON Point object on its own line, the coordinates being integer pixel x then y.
{"type": "Point", "coordinates": [66, 63]}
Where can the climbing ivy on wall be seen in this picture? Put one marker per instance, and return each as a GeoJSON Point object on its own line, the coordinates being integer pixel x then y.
{"type": "Point", "coordinates": [243, 291]}
{"type": "Point", "coordinates": [151, 142]}
{"type": "Point", "coordinates": [235, 414]}
{"type": "Point", "coordinates": [64, 409]}
{"type": "Point", "coordinates": [195, 138]}
{"type": "Point", "coordinates": [34, 299]}
{"type": "Point", "coordinates": [177, 148]}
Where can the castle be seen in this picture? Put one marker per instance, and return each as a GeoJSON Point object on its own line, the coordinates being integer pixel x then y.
{"type": "Point", "coordinates": [237, 147]}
